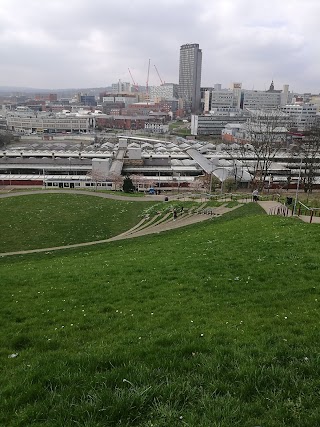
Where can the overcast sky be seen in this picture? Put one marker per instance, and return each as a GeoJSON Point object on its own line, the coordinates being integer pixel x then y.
{"type": "Point", "coordinates": [91, 43]}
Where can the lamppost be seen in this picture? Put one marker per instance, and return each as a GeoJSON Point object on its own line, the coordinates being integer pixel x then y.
{"type": "Point", "coordinates": [297, 190]}
{"type": "Point", "coordinates": [213, 170]}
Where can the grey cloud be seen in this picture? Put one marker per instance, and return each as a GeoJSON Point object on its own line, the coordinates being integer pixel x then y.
{"type": "Point", "coordinates": [82, 43]}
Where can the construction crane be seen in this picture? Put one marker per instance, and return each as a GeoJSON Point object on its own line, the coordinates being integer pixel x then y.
{"type": "Point", "coordinates": [147, 84]}
{"type": "Point", "coordinates": [162, 82]}
{"type": "Point", "coordinates": [135, 85]}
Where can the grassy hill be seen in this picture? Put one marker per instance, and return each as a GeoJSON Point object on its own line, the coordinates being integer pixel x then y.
{"type": "Point", "coordinates": [215, 324]}
{"type": "Point", "coordinates": [47, 220]}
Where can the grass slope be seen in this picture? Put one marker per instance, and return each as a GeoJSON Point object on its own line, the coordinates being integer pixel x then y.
{"type": "Point", "coordinates": [47, 220]}
{"type": "Point", "coordinates": [216, 324]}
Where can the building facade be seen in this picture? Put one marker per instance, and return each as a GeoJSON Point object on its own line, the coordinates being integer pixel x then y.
{"type": "Point", "coordinates": [190, 77]}
{"type": "Point", "coordinates": [213, 124]}
{"type": "Point", "coordinates": [167, 91]}
{"type": "Point", "coordinates": [301, 116]}
{"type": "Point", "coordinates": [26, 122]}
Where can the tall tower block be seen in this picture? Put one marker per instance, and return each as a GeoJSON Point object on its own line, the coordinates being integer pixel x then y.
{"type": "Point", "coordinates": [190, 77]}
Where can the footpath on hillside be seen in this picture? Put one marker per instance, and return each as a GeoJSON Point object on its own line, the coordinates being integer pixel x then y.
{"type": "Point", "coordinates": [146, 226]}
{"type": "Point", "coordinates": [156, 224]}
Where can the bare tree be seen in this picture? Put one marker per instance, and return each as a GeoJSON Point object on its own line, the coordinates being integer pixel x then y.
{"type": "Point", "coordinates": [197, 184]}
{"type": "Point", "coordinates": [309, 152]}
{"type": "Point", "coordinates": [6, 138]}
{"type": "Point", "coordinates": [265, 134]}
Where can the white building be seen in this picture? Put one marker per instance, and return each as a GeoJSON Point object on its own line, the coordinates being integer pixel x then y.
{"type": "Point", "coordinates": [301, 115]}
{"type": "Point", "coordinates": [214, 123]}
{"type": "Point", "coordinates": [259, 100]}
{"type": "Point", "coordinates": [221, 98]}
{"type": "Point", "coordinates": [26, 122]}
{"type": "Point", "coordinates": [121, 87]}
{"type": "Point", "coordinates": [265, 100]}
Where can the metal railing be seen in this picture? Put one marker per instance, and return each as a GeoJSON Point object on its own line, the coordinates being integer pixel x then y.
{"type": "Point", "coordinates": [281, 210]}
{"type": "Point", "coordinates": [308, 211]}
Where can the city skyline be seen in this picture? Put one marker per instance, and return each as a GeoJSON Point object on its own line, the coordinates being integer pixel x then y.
{"type": "Point", "coordinates": [59, 45]}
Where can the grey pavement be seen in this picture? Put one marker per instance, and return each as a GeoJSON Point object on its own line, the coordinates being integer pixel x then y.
{"type": "Point", "coordinates": [277, 208]}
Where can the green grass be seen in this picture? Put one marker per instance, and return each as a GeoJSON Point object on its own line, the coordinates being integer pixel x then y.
{"type": "Point", "coordinates": [47, 220]}
{"type": "Point", "coordinates": [115, 193]}
{"type": "Point", "coordinates": [215, 324]}
{"type": "Point", "coordinates": [311, 202]}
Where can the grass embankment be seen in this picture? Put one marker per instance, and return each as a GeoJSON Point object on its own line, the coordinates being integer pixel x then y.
{"type": "Point", "coordinates": [212, 325]}
{"type": "Point", "coordinates": [47, 220]}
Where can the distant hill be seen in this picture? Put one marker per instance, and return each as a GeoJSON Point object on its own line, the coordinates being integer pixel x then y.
{"type": "Point", "coordinates": [14, 90]}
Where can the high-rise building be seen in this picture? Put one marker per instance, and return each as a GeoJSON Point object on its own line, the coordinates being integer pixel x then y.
{"type": "Point", "coordinates": [121, 87]}
{"type": "Point", "coordinates": [190, 77]}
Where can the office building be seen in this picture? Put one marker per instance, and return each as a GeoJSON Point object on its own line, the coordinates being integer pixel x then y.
{"type": "Point", "coordinates": [302, 116]}
{"type": "Point", "coordinates": [166, 91]}
{"type": "Point", "coordinates": [213, 123]}
{"type": "Point", "coordinates": [190, 77]}
{"type": "Point", "coordinates": [121, 87]}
